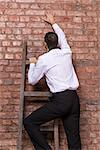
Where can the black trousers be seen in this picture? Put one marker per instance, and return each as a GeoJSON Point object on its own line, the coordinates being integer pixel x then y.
{"type": "Point", "coordinates": [64, 105]}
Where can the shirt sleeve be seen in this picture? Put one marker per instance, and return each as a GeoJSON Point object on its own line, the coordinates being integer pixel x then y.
{"type": "Point", "coordinates": [36, 71]}
{"type": "Point", "coordinates": [61, 38]}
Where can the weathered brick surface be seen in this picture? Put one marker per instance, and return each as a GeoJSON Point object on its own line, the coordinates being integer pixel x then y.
{"type": "Point", "coordinates": [20, 20]}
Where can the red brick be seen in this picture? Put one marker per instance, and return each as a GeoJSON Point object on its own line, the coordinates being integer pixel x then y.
{"type": "Point", "coordinates": [94, 127]}
{"type": "Point", "coordinates": [14, 18]}
{"type": "Point", "coordinates": [88, 19]}
{"type": "Point", "coordinates": [77, 19]}
{"type": "Point", "coordinates": [3, 18]}
{"type": "Point", "coordinates": [37, 6]}
{"type": "Point", "coordinates": [8, 82]}
{"type": "Point", "coordinates": [14, 49]}
{"type": "Point", "coordinates": [2, 24]}
{"type": "Point", "coordinates": [24, 18]}
{"type": "Point", "coordinates": [26, 31]}
{"type": "Point", "coordinates": [2, 36]}
{"type": "Point", "coordinates": [6, 43]}
{"type": "Point", "coordinates": [79, 38]}
{"type": "Point", "coordinates": [91, 108]}
{"type": "Point", "coordinates": [35, 25]}
{"type": "Point", "coordinates": [91, 13]}
{"type": "Point", "coordinates": [4, 75]}
{"type": "Point", "coordinates": [1, 68]}
{"type": "Point", "coordinates": [87, 2]}
{"type": "Point", "coordinates": [89, 44]}
{"type": "Point", "coordinates": [79, 44]}
{"type": "Point", "coordinates": [60, 12]}
{"type": "Point", "coordinates": [8, 142]}
{"type": "Point", "coordinates": [91, 32]}
{"type": "Point", "coordinates": [14, 12]}
{"type": "Point", "coordinates": [16, 43]}
{"type": "Point", "coordinates": [13, 5]}
{"type": "Point", "coordinates": [11, 37]}
{"type": "Point", "coordinates": [9, 69]}
{"type": "Point", "coordinates": [16, 31]}
{"type": "Point", "coordinates": [24, 5]}
{"type": "Point", "coordinates": [3, 5]}
{"type": "Point", "coordinates": [3, 62]}
{"type": "Point", "coordinates": [6, 30]}
{"type": "Point", "coordinates": [1, 56]}
{"type": "Point", "coordinates": [18, 56]}
{"type": "Point", "coordinates": [38, 43]}
{"type": "Point", "coordinates": [17, 81]}
{"type": "Point", "coordinates": [92, 38]}
{"type": "Point", "coordinates": [78, 31]}
{"type": "Point", "coordinates": [75, 25]}
{"type": "Point", "coordinates": [35, 18]}
{"type": "Point", "coordinates": [94, 26]}
{"type": "Point", "coordinates": [1, 82]}
{"type": "Point", "coordinates": [37, 31]}
{"type": "Point", "coordinates": [76, 13]}
{"type": "Point", "coordinates": [15, 75]}
{"type": "Point", "coordinates": [20, 37]}
{"type": "Point", "coordinates": [26, 1]}
{"type": "Point", "coordinates": [17, 24]}
{"type": "Point", "coordinates": [15, 62]}
{"type": "Point", "coordinates": [9, 56]}
{"type": "Point", "coordinates": [1, 12]}
{"type": "Point", "coordinates": [35, 12]}
{"type": "Point", "coordinates": [91, 69]}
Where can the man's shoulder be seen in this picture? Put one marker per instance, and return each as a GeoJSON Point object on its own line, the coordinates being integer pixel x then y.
{"type": "Point", "coordinates": [45, 55]}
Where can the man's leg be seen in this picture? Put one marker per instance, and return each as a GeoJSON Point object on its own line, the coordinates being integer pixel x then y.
{"type": "Point", "coordinates": [49, 111]}
{"type": "Point", "coordinates": [71, 126]}
{"type": "Point", "coordinates": [32, 125]}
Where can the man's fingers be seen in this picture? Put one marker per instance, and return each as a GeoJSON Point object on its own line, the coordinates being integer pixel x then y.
{"type": "Point", "coordinates": [44, 19]}
{"type": "Point", "coordinates": [49, 18]}
{"type": "Point", "coordinates": [33, 60]}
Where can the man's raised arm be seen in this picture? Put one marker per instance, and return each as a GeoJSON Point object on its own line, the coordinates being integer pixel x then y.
{"type": "Point", "coordinates": [61, 37]}
{"type": "Point", "coordinates": [62, 41]}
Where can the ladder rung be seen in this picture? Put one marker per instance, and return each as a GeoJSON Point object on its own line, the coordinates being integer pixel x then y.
{"type": "Point", "coordinates": [47, 129]}
{"type": "Point", "coordinates": [37, 94]}
{"type": "Point", "coordinates": [38, 100]}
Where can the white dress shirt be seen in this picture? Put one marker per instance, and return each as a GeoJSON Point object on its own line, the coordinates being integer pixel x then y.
{"type": "Point", "coordinates": [56, 65]}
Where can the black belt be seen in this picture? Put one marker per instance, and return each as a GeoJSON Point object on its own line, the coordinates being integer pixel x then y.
{"type": "Point", "coordinates": [63, 92]}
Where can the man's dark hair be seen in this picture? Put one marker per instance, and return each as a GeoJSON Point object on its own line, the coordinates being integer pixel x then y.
{"type": "Point", "coordinates": [51, 39]}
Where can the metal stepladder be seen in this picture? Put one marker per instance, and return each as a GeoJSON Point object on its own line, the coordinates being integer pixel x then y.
{"type": "Point", "coordinates": [32, 94]}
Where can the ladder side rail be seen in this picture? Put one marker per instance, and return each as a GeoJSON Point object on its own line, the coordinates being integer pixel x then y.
{"type": "Point", "coordinates": [22, 87]}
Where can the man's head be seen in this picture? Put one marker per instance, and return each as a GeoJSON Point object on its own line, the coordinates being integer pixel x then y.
{"type": "Point", "coordinates": [51, 39]}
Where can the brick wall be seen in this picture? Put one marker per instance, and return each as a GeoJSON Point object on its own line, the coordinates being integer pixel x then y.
{"type": "Point", "coordinates": [20, 20]}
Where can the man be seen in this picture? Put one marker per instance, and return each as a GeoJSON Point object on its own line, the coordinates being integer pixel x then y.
{"type": "Point", "coordinates": [62, 81]}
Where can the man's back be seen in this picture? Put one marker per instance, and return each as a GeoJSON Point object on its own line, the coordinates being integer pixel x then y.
{"type": "Point", "coordinates": [60, 74]}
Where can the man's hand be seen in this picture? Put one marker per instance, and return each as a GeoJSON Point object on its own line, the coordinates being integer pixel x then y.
{"type": "Point", "coordinates": [33, 60]}
{"type": "Point", "coordinates": [49, 18]}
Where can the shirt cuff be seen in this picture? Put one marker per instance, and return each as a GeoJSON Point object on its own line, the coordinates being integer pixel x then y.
{"type": "Point", "coordinates": [55, 25]}
{"type": "Point", "coordinates": [32, 65]}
